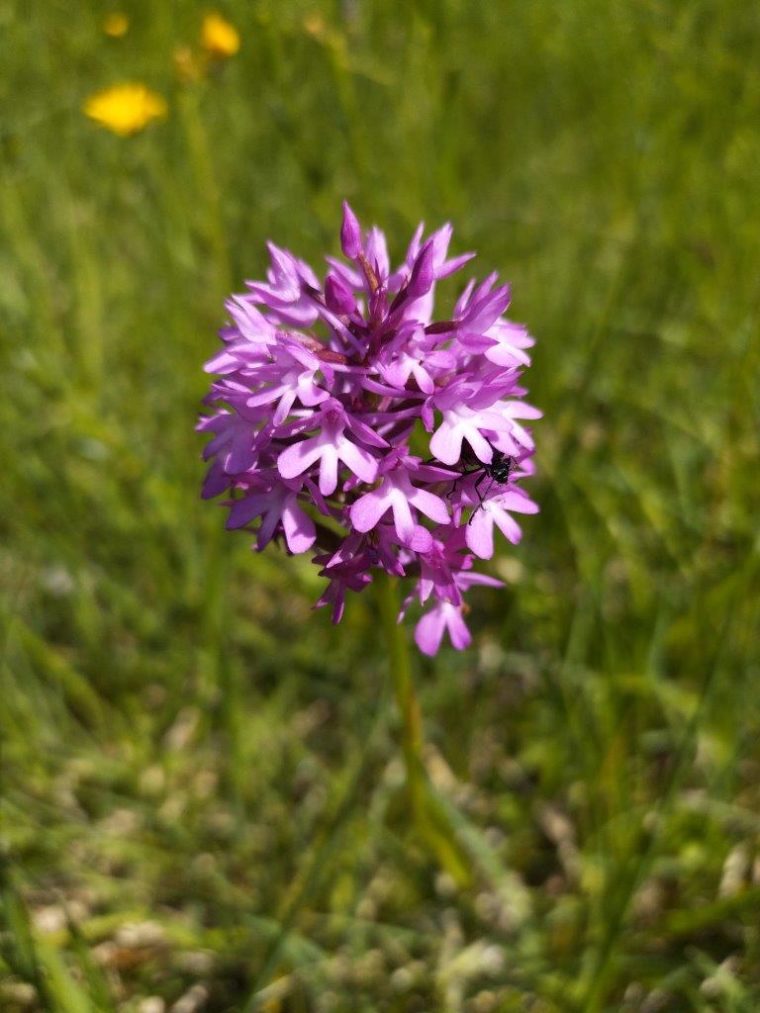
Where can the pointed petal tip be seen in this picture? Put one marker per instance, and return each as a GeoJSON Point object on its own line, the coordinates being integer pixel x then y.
{"type": "Point", "coordinates": [350, 233]}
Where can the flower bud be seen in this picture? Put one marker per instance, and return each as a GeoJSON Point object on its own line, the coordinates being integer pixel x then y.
{"type": "Point", "coordinates": [350, 233]}
{"type": "Point", "coordinates": [423, 274]}
{"type": "Point", "coordinates": [338, 297]}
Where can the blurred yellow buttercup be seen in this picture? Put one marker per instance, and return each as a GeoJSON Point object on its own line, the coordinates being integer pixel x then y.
{"type": "Point", "coordinates": [116, 25]}
{"type": "Point", "coordinates": [189, 66]}
{"type": "Point", "coordinates": [125, 108]}
{"type": "Point", "coordinates": [315, 25]}
{"type": "Point", "coordinates": [219, 38]}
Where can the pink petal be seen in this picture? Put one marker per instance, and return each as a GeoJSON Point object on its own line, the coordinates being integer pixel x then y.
{"type": "Point", "coordinates": [479, 534]}
{"type": "Point", "coordinates": [480, 445]}
{"type": "Point", "coordinates": [457, 627]}
{"type": "Point", "coordinates": [283, 408]}
{"type": "Point", "coordinates": [518, 502]}
{"type": "Point", "coordinates": [244, 510]}
{"type": "Point", "coordinates": [506, 355]}
{"type": "Point", "coordinates": [269, 523]}
{"type": "Point", "coordinates": [429, 632]}
{"type": "Point", "coordinates": [430, 505]}
{"type": "Point", "coordinates": [520, 410]}
{"type": "Point", "coordinates": [222, 362]}
{"type": "Point", "coordinates": [300, 533]}
{"type": "Point", "coordinates": [369, 508]}
{"type": "Point", "coordinates": [328, 470]}
{"type": "Point", "coordinates": [424, 380]}
{"type": "Point", "coordinates": [446, 443]}
{"type": "Point", "coordinates": [421, 540]}
{"type": "Point", "coordinates": [507, 525]}
{"type": "Point", "coordinates": [360, 461]}
{"type": "Point", "coordinates": [296, 459]}
{"type": "Point", "coordinates": [377, 251]}
{"type": "Point", "coordinates": [265, 396]}
{"type": "Point", "coordinates": [402, 516]}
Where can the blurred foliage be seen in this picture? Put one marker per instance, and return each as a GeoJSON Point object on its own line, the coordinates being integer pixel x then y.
{"type": "Point", "coordinates": [200, 776]}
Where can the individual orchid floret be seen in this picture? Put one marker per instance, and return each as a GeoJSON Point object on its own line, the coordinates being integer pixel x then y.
{"type": "Point", "coordinates": [330, 447]}
{"type": "Point", "coordinates": [444, 616]}
{"type": "Point", "coordinates": [276, 504]}
{"type": "Point", "coordinates": [397, 494]}
{"type": "Point", "coordinates": [348, 422]}
{"type": "Point", "coordinates": [497, 510]}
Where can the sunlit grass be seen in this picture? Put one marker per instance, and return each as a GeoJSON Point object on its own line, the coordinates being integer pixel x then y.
{"type": "Point", "coordinates": [201, 783]}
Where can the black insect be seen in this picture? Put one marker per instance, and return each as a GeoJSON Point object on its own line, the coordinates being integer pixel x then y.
{"type": "Point", "coordinates": [498, 470]}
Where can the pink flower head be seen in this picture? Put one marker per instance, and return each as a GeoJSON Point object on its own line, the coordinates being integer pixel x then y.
{"type": "Point", "coordinates": [343, 406]}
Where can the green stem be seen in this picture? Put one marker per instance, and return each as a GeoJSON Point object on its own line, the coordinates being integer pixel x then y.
{"type": "Point", "coordinates": [406, 699]}
{"type": "Point", "coordinates": [430, 819]}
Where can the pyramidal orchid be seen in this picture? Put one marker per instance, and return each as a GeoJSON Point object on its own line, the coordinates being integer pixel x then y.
{"type": "Point", "coordinates": [348, 422]}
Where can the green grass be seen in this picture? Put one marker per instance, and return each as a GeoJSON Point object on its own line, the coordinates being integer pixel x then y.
{"type": "Point", "coordinates": [200, 775]}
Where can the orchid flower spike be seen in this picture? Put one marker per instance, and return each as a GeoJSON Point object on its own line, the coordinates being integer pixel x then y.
{"type": "Point", "coordinates": [344, 401]}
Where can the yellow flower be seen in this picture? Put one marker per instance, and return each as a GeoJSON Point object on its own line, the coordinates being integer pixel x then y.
{"type": "Point", "coordinates": [315, 25]}
{"type": "Point", "coordinates": [189, 67]}
{"type": "Point", "coordinates": [218, 37]}
{"type": "Point", "coordinates": [115, 25]}
{"type": "Point", "coordinates": [125, 108]}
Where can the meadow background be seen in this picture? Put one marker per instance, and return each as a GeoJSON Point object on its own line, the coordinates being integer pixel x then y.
{"type": "Point", "coordinates": [201, 784]}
